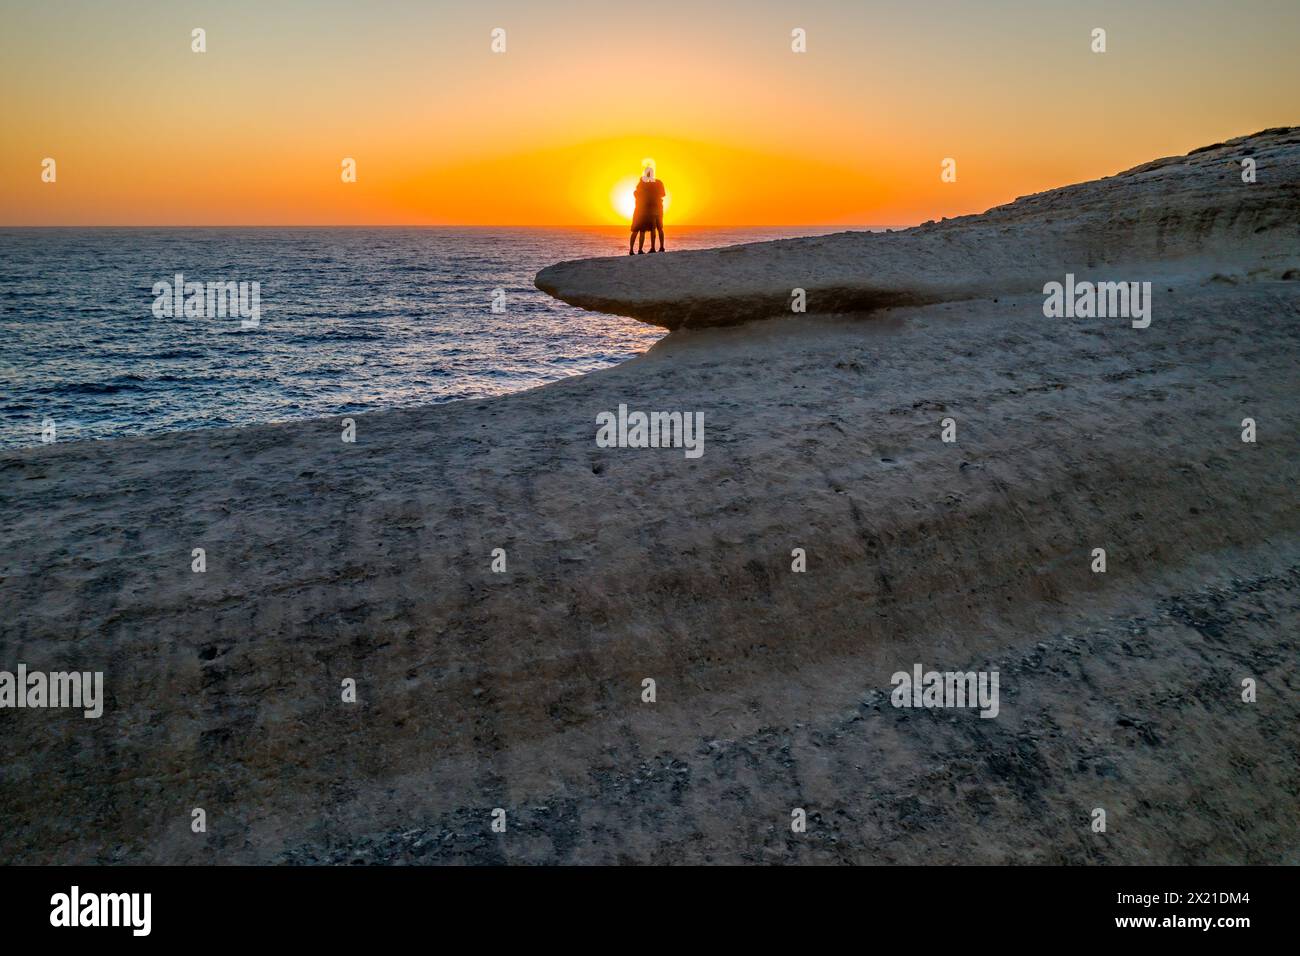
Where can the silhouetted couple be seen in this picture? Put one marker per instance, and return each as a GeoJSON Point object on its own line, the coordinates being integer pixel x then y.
{"type": "Point", "coordinates": [649, 213]}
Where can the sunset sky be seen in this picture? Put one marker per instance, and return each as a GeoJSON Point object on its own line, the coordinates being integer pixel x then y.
{"type": "Point", "coordinates": [744, 131]}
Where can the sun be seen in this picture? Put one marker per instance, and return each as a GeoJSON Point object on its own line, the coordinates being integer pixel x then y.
{"type": "Point", "coordinates": [623, 197]}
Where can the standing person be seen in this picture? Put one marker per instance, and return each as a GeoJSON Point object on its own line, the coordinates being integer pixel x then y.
{"type": "Point", "coordinates": [639, 225]}
{"type": "Point", "coordinates": [649, 213]}
{"type": "Point", "coordinates": [653, 191]}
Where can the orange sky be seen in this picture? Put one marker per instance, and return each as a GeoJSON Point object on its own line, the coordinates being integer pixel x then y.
{"type": "Point", "coordinates": [744, 131]}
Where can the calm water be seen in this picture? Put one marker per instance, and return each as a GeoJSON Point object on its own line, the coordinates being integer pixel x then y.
{"type": "Point", "coordinates": [352, 320]}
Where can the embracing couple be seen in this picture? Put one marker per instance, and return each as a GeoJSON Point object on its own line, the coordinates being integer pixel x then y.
{"type": "Point", "coordinates": [649, 213]}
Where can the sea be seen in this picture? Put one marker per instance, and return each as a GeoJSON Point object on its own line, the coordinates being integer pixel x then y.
{"type": "Point", "coordinates": [350, 320]}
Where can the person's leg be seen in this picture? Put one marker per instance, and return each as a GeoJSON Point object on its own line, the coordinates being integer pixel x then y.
{"type": "Point", "coordinates": [631, 240]}
{"type": "Point", "coordinates": [640, 242]}
{"type": "Point", "coordinates": [659, 225]}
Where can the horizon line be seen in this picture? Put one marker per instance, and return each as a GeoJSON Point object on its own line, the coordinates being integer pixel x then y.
{"type": "Point", "coordinates": [388, 225]}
